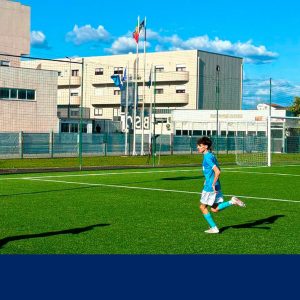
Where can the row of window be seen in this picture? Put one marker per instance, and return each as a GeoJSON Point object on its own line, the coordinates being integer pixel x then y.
{"type": "Point", "coordinates": [157, 91]}
{"type": "Point", "coordinates": [119, 70]}
{"type": "Point", "coordinates": [17, 94]}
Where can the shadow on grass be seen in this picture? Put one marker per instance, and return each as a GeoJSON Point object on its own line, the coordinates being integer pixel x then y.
{"type": "Point", "coordinates": [255, 224]}
{"type": "Point", "coordinates": [48, 191]}
{"type": "Point", "coordinates": [46, 234]}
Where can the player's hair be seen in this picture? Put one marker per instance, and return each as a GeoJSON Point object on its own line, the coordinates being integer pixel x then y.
{"type": "Point", "coordinates": [205, 141]}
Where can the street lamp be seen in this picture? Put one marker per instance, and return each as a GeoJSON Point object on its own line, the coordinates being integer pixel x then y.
{"type": "Point", "coordinates": [70, 60]}
{"type": "Point", "coordinates": [217, 105]}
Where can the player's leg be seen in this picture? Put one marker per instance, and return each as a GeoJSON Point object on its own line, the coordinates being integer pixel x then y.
{"type": "Point", "coordinates": [220, 205]}
{"type": "Point", "coordinates": [208, 199]}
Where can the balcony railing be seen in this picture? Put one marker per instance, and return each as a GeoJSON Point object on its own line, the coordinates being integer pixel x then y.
{"type": "Point", "coordinates": [66, 81]}
{"type": "Point", "coordinates": [172, 76]}
{"type": "Point", "coordinates": [73, 113]}
{"type": "Point", "coordinates": [182, 76]}
{"type": "Point", "coordinates": [106, 100]}
{"type": "Point", "coordinates": [74, 100]}
{"type": "Point", "coordinates": [180, 98]}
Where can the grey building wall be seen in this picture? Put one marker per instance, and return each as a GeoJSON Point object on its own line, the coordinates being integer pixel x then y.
{"type": "Point", "coordinates": [228, 81]}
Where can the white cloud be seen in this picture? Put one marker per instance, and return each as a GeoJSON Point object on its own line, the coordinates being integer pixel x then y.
{"type": "Point", "coordinates": [262, 92]}
{"type": "Point", "coordinates": [38, 40]}
{"type": "Point", "coordinates": [251, 53]}
{"type": "Point", "coordinates": [125, 44]}
{"type": "Point", "coordinates": [86, 34]}
{"type": "Point", "coordinates": [258, 91]}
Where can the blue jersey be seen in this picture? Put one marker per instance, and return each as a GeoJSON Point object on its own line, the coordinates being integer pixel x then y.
{"type": "Point", "coordinates": [209, 161]}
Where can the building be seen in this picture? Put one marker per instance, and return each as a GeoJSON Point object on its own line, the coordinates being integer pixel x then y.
{"type": "Point", "coordinates": [14, 31]}
{"type": "Point", "coordinates": [188, 79]}
{"type": "Point", "coordinates": [27, 97]}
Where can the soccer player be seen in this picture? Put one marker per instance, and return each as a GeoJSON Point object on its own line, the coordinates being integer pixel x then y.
{"type": "Point", "coordinates": [212, 195]}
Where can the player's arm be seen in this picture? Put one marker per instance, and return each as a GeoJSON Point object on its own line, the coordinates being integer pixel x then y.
{"type": "Point", "coordinates": [217, 172]}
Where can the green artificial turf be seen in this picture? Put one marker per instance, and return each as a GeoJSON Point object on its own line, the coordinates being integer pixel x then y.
{"type": "Point", "coordinates": [152, 211]}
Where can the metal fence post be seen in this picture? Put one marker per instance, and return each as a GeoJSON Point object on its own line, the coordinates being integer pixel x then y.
{"type": "Point", "coordinates": [51, 143]}
{"type": "Point", "coordinates": [21, 141]}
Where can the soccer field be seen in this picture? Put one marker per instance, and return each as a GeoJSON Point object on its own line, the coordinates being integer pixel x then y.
{"type": "Point", "coordinates": [148, 211]}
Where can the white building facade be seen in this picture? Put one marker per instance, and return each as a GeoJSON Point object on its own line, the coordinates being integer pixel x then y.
{"type": "Point", "coordinates": [189, 79]}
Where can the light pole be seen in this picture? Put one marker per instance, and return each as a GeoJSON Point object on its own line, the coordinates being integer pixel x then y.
{"type": "Point", "coordinates": [70, 59]}
{"type": "Point", "coordinates": [217, 106]}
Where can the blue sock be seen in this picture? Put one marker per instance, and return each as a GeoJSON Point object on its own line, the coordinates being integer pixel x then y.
{"type": "Point", "coordinates": [224, 205]}
{"type": "Point", "coordinates": [210, 220]}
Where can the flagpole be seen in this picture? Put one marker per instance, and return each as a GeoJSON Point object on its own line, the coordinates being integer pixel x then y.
{"type": "Point", "coordinates": [126, 111]}
{"type": "Point", "coordinates": [143, 104]}
{"type": "Point", "coordinates": [154, 121]}
{"type": "Point", "coordinates": [150, 113]}
{"type": "Point", "coordinates": [135, 93]}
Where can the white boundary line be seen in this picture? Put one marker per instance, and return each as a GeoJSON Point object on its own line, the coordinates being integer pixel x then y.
{"type": "Point", "coordinates": [196, 169]}
{"type": "Point", "coordinates": [263, 173]}
{"type": "Point", "coordinates": [154, 189]}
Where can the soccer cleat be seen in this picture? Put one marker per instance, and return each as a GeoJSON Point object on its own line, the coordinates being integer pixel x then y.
{"type": "Point", "coordinates": [212, 230]}
{"type": "Point", "coordinates": [236, 201]}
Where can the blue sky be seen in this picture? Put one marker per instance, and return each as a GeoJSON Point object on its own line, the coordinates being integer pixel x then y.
{"type": "Point", "coordinates": [264, 33]}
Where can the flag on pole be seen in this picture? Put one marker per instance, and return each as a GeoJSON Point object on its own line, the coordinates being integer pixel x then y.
{"type": "Point", "coordinates": [149, 82]}
{"type": "Point", "coordinates": [138, 28]}
{"type": "Point", "coordinates": [117, 81]}
{"type": "Point", "coordinates": [124, 78]}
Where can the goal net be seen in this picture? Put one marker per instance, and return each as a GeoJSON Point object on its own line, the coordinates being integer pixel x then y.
{"type": "Point", "coordinates": [284, 140]}
{"type": "Point", "coordinates": [251, 142]}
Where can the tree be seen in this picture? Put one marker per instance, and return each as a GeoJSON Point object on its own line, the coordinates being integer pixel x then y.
{"type": "Point", "coordinates": [295, 108]}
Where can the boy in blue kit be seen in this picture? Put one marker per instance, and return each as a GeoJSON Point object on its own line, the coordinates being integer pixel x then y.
{"type": "Point", "coordinates": [212, 195]}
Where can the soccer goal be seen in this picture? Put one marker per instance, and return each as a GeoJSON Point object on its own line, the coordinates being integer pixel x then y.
{"type": "Point", "coordinates": [267, 142]}
{"type": "Point", "coordinates": [250, 142]}
{"type": "Point", "coordinates": [283, 140]}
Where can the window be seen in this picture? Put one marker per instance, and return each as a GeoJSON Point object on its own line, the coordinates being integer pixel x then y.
{"type": "Point", "coordinates": [17, 94]}
{"type": "Point", "coordinates": [159, 68]}
{"type": "Point", "coordinates": [98, 112]}
{"type": "Point", "coordinates": [180, 89]}
{"type": "Point", "coordinates": [75, 73]}
{"type": "Point", "coordinates": [73, 127]}
{"type": "Point", "coordinates": [64, 127]}
{"type": "Point", "coordinates": [99, 71]}
{"type": "Point", "coordinates": [74, 113]}
{"type": "Point", "coordinates": [4, 63]}
{"type": "Point", "coordinates": [14, 94]}
{"type": "Point", "coordinates": [4, 93]}
{"type": "Point", "coordinates": [159, 91]}
{"type": "Point", "coordinates": [30, 94]}
{"type": "Point", "coordinates": [117, 92]}
{"type": "Point", "coordinates": [118, 70]}
{"type": "Point", "coordinates": [180, 68]}
{"type": "Point", "coordinates": [74, 92]}
{"type": "Point", "coordinates": [22, 94]}
{"type": "Point", "coordinates": [116, 112]}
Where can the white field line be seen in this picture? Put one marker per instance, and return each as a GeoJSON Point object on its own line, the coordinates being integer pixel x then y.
{"type": "Point", "coordinates": [149, 172]}
{"type": "Point", "coordinates": [154, 189]}
{"type": "Point", "coordinates": [262, 173]}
